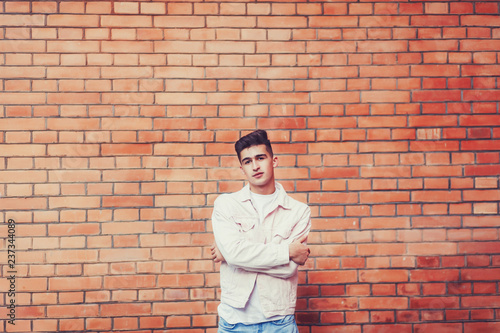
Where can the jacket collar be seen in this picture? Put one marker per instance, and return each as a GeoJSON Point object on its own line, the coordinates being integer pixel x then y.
{"type": "Point", "coordinates": [282, 200]}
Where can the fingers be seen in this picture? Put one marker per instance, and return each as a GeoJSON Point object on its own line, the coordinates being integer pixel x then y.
{"type": "Point", "coordinates": [213, 252]}
{"type": "Point", "coordinates": [216, 255]}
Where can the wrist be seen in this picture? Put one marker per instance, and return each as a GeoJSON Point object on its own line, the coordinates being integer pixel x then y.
{"type": "Point", "coordinates": [284, 254]}
{"type": "Point", "coordinates": [292, 251]}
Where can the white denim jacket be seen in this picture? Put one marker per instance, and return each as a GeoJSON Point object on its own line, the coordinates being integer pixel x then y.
{"type": "Point", "coordinates": [257, 254]}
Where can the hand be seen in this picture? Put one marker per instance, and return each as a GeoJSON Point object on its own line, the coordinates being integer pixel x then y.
{"type": "Point", "coordinates": [216, 255]}
{"type": "Point", "coordinates": [299, 252]}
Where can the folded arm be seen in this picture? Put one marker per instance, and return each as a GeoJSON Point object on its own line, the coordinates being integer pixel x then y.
{"type": "Point", "coordinates": [298, 257]}
{"type": "Point", "coordinates": [279, 260]}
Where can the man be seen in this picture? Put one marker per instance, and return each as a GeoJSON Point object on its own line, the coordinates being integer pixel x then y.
{"type": "Point", "coordinates": [260, 235]}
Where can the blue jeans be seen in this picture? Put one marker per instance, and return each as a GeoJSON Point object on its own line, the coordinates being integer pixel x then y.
{"type": "Point", "coordinates": [285, 325]}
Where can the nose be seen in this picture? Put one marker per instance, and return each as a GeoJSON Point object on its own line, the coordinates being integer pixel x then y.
{"type": "Point", "coordinates": [255, 165]}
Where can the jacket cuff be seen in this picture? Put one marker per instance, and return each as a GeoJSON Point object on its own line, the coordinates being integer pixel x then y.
{"type": "Point", "coordinates": [283, 255]}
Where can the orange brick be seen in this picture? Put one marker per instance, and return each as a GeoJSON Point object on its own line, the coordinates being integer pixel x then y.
{"type": "Point", "coordinates": [72, 311]}
{"type": "Point", "coordinates": [175, 308]}
{"type": "Point", "coordinates": [390, 136]}
{"type": "Point", "coordinates": [178, 21]}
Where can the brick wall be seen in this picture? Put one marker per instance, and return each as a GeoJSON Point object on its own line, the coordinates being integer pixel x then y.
{"type": "Point", "coordinates": [117, 126]}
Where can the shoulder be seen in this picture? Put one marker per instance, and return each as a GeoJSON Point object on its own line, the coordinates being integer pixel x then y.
{"type": "Point", "coordinates": [297, 206]}
{"type": "Point", "coordinates": [222, 199]}
{"type": "Point", "coordinates": [226, 199]}
{"type": "Point", "coordinates": [293, 204]}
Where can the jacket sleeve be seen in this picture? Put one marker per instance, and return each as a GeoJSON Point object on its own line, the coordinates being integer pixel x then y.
{"type": "Point", "coordinates": [300, 229]}
{"type": "Point", "coordinates": [238, 251]}
{"type": "Point", "coordinates": [271, 258]}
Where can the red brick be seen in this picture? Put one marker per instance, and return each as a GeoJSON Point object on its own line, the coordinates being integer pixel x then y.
{"type": "Point", "coordinates": [379, 197]}
{"type": "Point", "coordinates": [126, 149]}
{"type": "Point", "coordinates": [384, 71]}
{"type": "Point", "coordinates": [283, 22]}
{"type": "Point", "coordinates": [380, 276]}
{"type": "Point", "coordinates": [442, 327]}
{"type": "Point", "coordinates": [173, 308]}
{"type": "Point", "coordinates": [383, 21]}
{"type": "Point", "coordinates": [72, 311]}
{"type": "Point", "coordinates": [126, 21]}
{"type": "Point", "coordinates": [438, 221]}
{"type": "Point", "coordinates": [434, 20]}
{"type": "Point", "coordinates": [351, 117]}
{"type": "Point", "coordinates": [333, 304]}
{"type": "Point", "coordinates": [480, 301]}
{"type": "Point", "coordinates": [129, 282]}
{"type": "Point", "coordinates": [478, 248]}
{"type": "Point", "coordinates": [324, 277]}
{"type": "Point", "coordinates": [481, 327]}
{"type": "Point", "coordinates": [115, 310]}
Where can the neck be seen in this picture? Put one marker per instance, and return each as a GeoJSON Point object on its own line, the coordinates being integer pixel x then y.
{"type": "Point", "coordinates": [268, 188]}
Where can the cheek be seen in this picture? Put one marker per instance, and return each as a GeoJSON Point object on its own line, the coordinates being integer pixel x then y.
{"type": "Point", "coordinates": [245, 170]}
{"type": "Point", "coordinates": [269, 166]}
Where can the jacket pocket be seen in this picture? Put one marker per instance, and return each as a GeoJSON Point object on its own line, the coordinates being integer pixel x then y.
{"type": "Point", "coordinates": [281, 234]}
{"type": "Point", "coordinates": [245, 223]}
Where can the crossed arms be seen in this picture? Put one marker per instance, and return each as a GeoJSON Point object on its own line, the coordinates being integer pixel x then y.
{"type": "Point", "coordinates": [298, 251]}
{"type": "Point", "coordinates": [278, 260]}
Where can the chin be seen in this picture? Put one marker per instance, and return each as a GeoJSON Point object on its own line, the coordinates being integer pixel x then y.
{"type": "Point", "coordinates": [260, 182]}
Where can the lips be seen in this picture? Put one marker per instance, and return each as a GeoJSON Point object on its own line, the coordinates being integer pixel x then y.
{"type": "Point", "coordinates": [258, 175]}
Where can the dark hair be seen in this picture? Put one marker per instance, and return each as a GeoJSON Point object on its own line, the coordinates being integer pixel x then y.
{"type": "Point", "coordinates": [258, 137]}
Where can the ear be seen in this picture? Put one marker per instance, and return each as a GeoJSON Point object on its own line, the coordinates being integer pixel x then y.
{"type": "Point", "coordinates": [242, 172]}
{"type": "Point", "coordinates": [275, 161]}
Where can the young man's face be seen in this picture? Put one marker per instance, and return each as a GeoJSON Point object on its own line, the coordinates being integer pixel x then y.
{"type": "Point", "coordinates": [258, 166]}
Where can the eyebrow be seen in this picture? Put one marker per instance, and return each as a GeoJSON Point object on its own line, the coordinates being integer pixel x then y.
{"type": "Point", "coordinates": [249, 158]}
